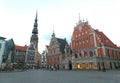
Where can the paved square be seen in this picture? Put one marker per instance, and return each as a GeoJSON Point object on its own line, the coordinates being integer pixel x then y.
{"type": "Point", "coordinates": [46, 76]}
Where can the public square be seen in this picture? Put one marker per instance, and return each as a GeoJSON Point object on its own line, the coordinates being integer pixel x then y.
{"type": "Point", "coordinates": [60, 76]}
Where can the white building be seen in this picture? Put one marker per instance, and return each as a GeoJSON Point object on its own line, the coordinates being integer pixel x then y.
{"type": "Point", "coordinates": [2, 46]}
{"type": "Point", "coordinates": [43, 58]}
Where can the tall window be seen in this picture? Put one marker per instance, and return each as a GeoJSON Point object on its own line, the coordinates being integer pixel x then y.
{"type": "Point", "coordinates": [76, 55]}
{"type": "Point", "coordinates": [80, 54]}
{"type": "Point", "coordinates": [116, 55]}
{"type": "Point", "coordinates": [85, 54]}
{"type": "Point", "coordinates": [91, 53]}
{"type": "Point", "coordinates": [108, 53]}
{"type": "Point", "coordinates": [112, 53]}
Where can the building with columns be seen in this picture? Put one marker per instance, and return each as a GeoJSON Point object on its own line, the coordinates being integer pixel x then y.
{"type": "Point", "coordinates": [32, 53]}
{"type": "Point", "coordinates": [92, 49]}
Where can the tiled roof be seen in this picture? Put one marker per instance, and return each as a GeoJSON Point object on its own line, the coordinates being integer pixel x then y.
{"type": "Point", "coordinates": [104, 39]}
{"type": "Point", "coordinates": [23, 48]}
{"type": "Point", "coordinates": [62, 42]}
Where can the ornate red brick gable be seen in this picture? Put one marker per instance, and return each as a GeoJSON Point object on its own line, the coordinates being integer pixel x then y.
{"type": "Point", "coordinates": [82, 37]}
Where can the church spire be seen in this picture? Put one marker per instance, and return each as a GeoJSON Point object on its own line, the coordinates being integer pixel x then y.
{"type": "Point", "coordinates": [35, 30]}
{"type": "Point", "coordinates": [53, 35]}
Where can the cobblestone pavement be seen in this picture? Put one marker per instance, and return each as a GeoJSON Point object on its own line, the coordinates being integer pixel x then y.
{"type": "Point", "coordinates": [63, 76]}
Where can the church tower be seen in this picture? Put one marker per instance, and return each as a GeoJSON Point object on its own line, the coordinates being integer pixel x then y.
{"type": "Point", "coordinates": [34, 37]}
{"type": "Point", "coordinates": [33, 57]}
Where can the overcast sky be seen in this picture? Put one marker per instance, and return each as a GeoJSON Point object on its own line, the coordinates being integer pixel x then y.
{"type": "Point", "coordinates": [17, 18]}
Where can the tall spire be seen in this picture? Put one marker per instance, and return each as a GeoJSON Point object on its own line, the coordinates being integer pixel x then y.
{"type": "Point", "coordinates": [35, 30]}
{"type": "Point", "coordinates": [53, 35]}
{"type": "Point", "coordinates": [36, 17]}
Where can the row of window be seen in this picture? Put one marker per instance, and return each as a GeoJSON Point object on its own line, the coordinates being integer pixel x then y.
{"type": "Point", "coordinates": [113, 54]}
{"type": "Point", "coordinates": [83, 42]}
{"type": "Point", "coordinates": [80, 34]}
{"type": "Point", "coordinates": [30, 57]}
{"type": "Point", "coordinates": [85, 54]}
{"type": "Point", "coordinates": [53, 59]}
{"type": "Point", "coordinates": [20, 53]}
{"type": "Point", "coordinates": [31, 53]}
{"type": "Point", "coordinates": [53, 51]}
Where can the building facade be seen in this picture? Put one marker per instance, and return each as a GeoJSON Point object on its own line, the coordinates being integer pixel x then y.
{"type": "Point", "coordinates": [20, 56]}
{"type": "Point", "coordinates": [56, 52]}
{"type": "Point", "coordinates": [69, 55]}
{"type": "Point", "coordinates": [33, 56]}
{"type": "Point", "coordinates": [30, 56]}
{"type": "Point", "coordinates": [93, 49]}
{"type": "Point", "coordinates": [8, 57]}
{"type": "Point", "coordinates": [2, 46]}
{"type": "Point", "coordinates": [43, 59]}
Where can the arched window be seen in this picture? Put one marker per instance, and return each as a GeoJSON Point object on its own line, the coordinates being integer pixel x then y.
{"type": "Point", "coordinates": [85, 54]}
{"type": "Point", "coordinates": [80, 54]}
{"type": "Point", "coordinates": [108, 52]}
{"type": "Point", "coordinates": [76, 55]}
{"type": "Point", "coordinates": [112, 53]}
{"type": "Point", "coordinates": [91, 53]}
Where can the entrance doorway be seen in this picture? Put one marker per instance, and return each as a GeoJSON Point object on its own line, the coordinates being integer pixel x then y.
{"type": "Point", "coordinates": [78, 65]}
{"type": "Point", "coordinates": [91, 65]}
{"type": "Point", "coordinates": [84, 65]}
{"type": "Point", "coordinates": [70, 65]}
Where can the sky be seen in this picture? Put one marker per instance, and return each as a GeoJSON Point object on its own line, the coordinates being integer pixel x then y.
{"type": "Point", "coordinates": [17, 19]}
